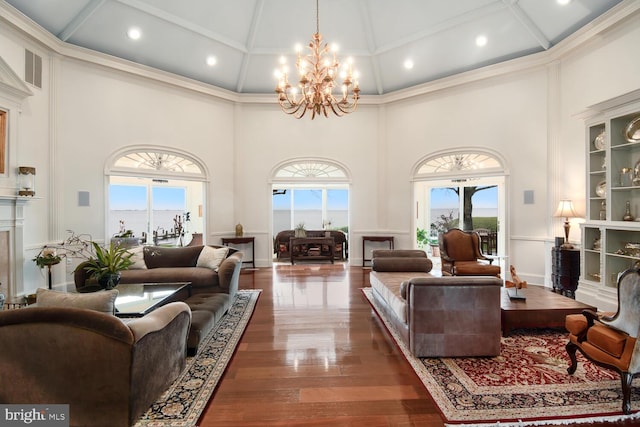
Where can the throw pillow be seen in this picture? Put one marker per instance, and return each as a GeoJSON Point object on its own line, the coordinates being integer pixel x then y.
{"type": "Point", "coordinates": [103, 301]}
{"type": "Point", "coordinates": [137, 258]}
{"type": "Point", "coordinates": [212, 257]}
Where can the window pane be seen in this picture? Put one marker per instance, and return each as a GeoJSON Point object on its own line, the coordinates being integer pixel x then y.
{"type": "Point", "coordinates": [307, 208]}
{"type": "Point", "coordinates": [338, 209]}
{"type": "Point", "coordinates": [128, 204]}
{"type": "Point", "coordinates": [168, 203]}
{"type": "Point", "coordinates": [281, 211]}
{"type": "Point", "coordinates": [444, 210]}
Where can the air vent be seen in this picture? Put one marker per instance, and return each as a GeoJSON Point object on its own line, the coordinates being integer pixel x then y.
{"type": "Point", "coordinates": [33, 69]}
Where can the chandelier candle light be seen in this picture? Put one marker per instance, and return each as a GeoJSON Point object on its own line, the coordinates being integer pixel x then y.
{"type": "Point", "coordinates": [318, 73]}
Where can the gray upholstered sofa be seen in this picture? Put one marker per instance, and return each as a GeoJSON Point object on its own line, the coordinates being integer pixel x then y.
{"type": "Point", "coordinates": [108, 371]}
{"type": "Point", "coordinates": [436, 316]}
{"type": "Point", "coordinates": [212, 289]}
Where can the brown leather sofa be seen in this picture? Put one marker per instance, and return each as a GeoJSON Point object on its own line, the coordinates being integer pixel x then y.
{"type": "Point", "coordinates": [108, 371]}
{"type": "Point", "coordinates": [283, 251]}
{"type": "Point", "coordinates": [436, 316]}
{"type": "Point", "coordinates": [212, 291]}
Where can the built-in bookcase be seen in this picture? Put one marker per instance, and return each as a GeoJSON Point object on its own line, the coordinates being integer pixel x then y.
{"type": "Point", "coordinates": [610, 241]}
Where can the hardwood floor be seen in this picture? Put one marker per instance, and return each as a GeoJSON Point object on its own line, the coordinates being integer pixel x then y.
{"type": "Point", "coordinates": [315, 354]}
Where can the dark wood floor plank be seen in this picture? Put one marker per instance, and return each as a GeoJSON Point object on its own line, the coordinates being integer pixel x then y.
{"type": "Point", "coordinates": [315, 354]}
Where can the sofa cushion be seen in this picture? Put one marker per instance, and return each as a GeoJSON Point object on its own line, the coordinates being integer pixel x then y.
{"type": "Point", "coordinates": [159, 256]}
{"type": "Point", "coordinates": [137, 258]}
{"type": "Point", "coordinates": [212, 257]}
{"type": "Point", "coordinates": [474, 268]}
{"type": "Point", "coordinates": [198, 276]}
{"type": "Point", "coordinates": [388, 285]}
{"type": "Point", "coordinates": [607, 339]}
{"type": "Point", "coordinates": [402, 264]}
{"type": "Point", "coordinates": [102, 301]}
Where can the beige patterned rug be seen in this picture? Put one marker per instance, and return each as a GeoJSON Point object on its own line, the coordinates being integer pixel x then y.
{"type": "Point", "coordinates": [183, 403]}
{"type": "Point", "coordinates": [527, 384]}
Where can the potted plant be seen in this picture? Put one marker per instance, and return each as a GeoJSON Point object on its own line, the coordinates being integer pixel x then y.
{"type": "Point", "coordinates": [299, 231]}
{"type": "Point", "coordinates": [125, 237]}
{"type": "Point", "coordinates": [47, 258]}
{"type": "Point", "coordinates": [107, 263]}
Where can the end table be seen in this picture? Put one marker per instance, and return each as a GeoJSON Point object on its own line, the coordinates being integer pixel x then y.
{"type": "Point", "coordinates": [248, 240]}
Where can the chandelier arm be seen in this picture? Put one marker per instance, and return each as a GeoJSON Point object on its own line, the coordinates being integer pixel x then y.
{"type": "Point", "coordinates": [318, 78]}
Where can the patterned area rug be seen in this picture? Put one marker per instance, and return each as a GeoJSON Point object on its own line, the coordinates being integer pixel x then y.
{"type": "Point", "coordinates": [527, 384]}
{"type": "Point", "coordinates": [183, 403]}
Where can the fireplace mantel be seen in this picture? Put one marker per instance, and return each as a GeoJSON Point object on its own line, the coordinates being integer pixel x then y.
{"type": "Point", "coordinates": [11, 243]}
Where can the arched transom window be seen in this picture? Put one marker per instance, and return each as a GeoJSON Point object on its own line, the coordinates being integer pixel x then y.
{"type": "Point", "coordinates": [157, 161]}
{"type": "Point", "coordinates": [310, 169]}
{"type": "Point", "coordinates": [458, 162]}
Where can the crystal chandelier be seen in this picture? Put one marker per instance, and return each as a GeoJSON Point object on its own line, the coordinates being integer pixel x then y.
{"type": "Point", "coordinates": [318, 73]}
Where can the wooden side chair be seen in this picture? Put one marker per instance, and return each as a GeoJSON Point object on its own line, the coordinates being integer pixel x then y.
{"type": "Point", "coordinates": [461, 255]}
{"type": "Point", "coordinates": [611, 341]}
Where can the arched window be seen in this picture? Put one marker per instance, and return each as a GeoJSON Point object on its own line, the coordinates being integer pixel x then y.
{"type": "Point", "coordinates": [155, 162]}
{"type": "Point", "coordinates": [315, 170]}
{"type": "Point", "coordinates": [313, 192]}
{"type": "Point", "coordinates": [461, 188]}
{"type": "Point", "coordinates": [462, 163]}
{"type": "Point", "coordinates": [157, 194]}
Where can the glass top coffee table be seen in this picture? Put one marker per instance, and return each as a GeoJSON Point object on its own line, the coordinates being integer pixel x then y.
{"type": "Point", "coordinates": [138, 299]}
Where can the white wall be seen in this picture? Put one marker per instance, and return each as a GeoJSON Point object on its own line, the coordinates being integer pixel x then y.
{"type": "Point", "coordinates": [506, 115]}
{"type": "Point", "coordinates": [266, 138]}
{"type": "Point", "coordinates": [70, 129]}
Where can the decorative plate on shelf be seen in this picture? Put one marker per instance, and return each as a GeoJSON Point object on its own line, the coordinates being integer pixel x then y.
{"type": "Point", "coordinates": [600, 143]}
{"type": "Point", "coordinates": [632, 131]}
{"type": "Point", "coordinates": [601, 188]}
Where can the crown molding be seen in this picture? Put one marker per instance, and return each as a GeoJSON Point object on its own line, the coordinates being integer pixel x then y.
{"type": "Point", "coordinates": [626, 9]}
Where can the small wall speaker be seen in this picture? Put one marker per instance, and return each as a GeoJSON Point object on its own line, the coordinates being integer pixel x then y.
{"type": "Point", "coordinates": [83, 198]}
{"type": "Point", "coordinates": [528, 197]}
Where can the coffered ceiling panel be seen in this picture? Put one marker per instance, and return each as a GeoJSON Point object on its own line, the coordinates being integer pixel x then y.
{"type": "Point", "coordinates": [395, 44]}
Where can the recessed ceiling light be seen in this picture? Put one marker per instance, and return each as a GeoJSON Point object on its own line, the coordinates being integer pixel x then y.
{"type": "Point", "coordinates": [481, 40]}
{"type": "Point", "coordinates": [211, 61]}
{"type": "Point", "coordinates": [134, 33]}
{"type": "Point", "coordinates": [408, 64]}
{"type": "Point", "coordinates": [564, 2]}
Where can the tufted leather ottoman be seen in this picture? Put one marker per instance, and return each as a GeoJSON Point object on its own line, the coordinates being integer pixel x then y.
{"type": "Point", "coordinates": [206, 310]}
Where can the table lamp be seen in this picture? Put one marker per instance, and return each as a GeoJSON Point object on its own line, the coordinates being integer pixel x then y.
{"type": "Point", "coordinates": [565, 209]}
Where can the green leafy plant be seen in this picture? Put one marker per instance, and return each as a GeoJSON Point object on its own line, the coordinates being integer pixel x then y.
{"type": "Point", "coordinates": [421, 237]}
{"type": "Point", "coordinates": [47, 259]}
{"type": "Point", "coordinates": [107, 262]}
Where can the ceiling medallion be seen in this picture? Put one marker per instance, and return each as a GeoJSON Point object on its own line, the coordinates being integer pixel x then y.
{"type": "Point", "coordinates": [318, 72]}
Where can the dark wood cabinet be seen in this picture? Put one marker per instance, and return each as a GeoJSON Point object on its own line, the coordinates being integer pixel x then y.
{"type": "Point", "coordinates": [565, 270]}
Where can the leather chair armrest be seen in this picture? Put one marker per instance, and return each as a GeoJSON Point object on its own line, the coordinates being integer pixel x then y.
{"type": "Point", "coordinates": [157, 320]}
{"type": "Point", "coordinates": [591, 317]}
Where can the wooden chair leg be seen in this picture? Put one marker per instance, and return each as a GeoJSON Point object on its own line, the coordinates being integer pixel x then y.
{"type": "Point", "coordinates": [625, 379]}
{"type": "Point", "coordinates": [571, 351]}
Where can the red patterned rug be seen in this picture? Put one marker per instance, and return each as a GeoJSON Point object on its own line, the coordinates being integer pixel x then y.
{"type": "Point", "coordinates": [527, 382]}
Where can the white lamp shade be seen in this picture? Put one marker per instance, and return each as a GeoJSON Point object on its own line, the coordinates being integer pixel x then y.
{"type": "Point", "coordinates": [565, 209]}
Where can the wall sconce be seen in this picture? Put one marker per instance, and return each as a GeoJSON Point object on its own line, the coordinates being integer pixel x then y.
{"type": "Point", "coordinates": [26, 181]}
{"type": "Point", "coordinates": [565, 209]}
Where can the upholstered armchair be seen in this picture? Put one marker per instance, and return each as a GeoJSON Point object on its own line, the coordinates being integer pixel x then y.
{"type": "Point", "coordinates": [461, 255]}
{"type": "Point", "coordinates": [611, 341]}
{"type": "Point", "coordinates": [108, 371]}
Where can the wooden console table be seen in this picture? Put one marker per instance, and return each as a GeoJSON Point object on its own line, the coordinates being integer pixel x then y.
{"type": "Point", "coordinates": [374, 239]}
{"type": "Point", "coordinates": [306, 244]}
{"type": "Point", "coordinates": [226, 241]}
